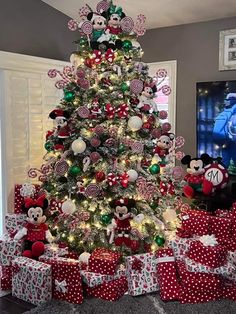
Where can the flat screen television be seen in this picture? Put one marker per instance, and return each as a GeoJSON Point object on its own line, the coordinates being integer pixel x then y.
{"type": "Point", "coordinates": [216, 121]}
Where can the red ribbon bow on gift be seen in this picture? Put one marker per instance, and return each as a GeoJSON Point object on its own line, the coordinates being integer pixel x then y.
{"type": "Point", "coordinates": [29, 202]}
{"type": "Point", "coordinates": [137, 264]}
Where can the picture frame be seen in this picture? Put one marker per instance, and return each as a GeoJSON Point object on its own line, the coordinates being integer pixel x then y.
{"type": "Point", "coordinates": [227, 50]}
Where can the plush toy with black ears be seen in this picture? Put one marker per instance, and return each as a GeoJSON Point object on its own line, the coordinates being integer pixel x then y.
{"type": "Point", "coordinates": [115, 15]}
{"type": "Point", "coordinates": [62, 130]}
{"type": "Point", "coordinates": [195, 177]}
{"type": "Point", "coordinates": [35, 232]}
{"type": "Point", "coordinates": [121, 222]}
{"type": "Point", "coordinates": [146, 102]}
{"type": "Point", "coordinates": [99, 23]}
{"type": "Point", "coordinates": [164, 143]}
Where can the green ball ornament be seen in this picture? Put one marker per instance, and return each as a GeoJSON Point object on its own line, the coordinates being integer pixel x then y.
{"type": "Point", "coordinates": [74, 171]}
{"type": "Point", "coordinates": [160, 241]}
{"type": "Point", "coordinates": [69, 96]}
{"type": "Point", "coordinates": [48, 146]}
{"type": "Point", "coordinates": [154, 169]}
{"type": "Point", "coordinates": [49, 187]}
{"type": "Point", "coordinates": [153, 205]}
{"type": "Point", "coordinates": [127, 45]}
{"type": "Point", "coordinates": [105, 219]}
{"type": "Point", "coordinates": [121, 148]}
{"type": "Point", "coordinates": [82, 42]}
{"type": "Point", "coordinates": [124, 87]}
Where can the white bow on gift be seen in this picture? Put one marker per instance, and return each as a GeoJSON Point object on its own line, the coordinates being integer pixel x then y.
{"type": "Point", "coordinates": [27, 190]}
{"type": "Point", "coordinates": [61, 286]}
{"type": "Point", "coordinates": [208, 240]}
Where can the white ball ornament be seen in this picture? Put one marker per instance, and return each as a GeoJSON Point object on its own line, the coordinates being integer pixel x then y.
{"type": "Point", "coordinates": [135, 123]}
{"type": "Point", "coordinates": [133, 175]}
{"type": "Point", "coordinates": [78, 146]}
{"type": "Point", "coordinates": [68, 207]}
{"type": "Point", "coordinates": [169, 215]}
{"type": "Point", "coordinates": [84, 257]}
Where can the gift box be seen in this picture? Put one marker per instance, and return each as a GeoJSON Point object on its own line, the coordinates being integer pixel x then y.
{"type": "Point", "coordinates": [93, 279]}
{"type": "Point", "coordinates": [142, 273]}
{"type": "Point", "coordinates": [179, 246]}
{"type": "Point", "coordinates": [54, 250]}
{"type": "Point", "coordinates": [104, 261]}
{"type": "Point", "coordinates": [198, 282]}
{"type": "Point", "coordinates": [5, 271]}
{"type": "Point", "coordinates": [21, 191]}
{"type": "Point", "coordinates": [167, 275]}
{"type": "Point", "coordinates": [212, 256]}
{"type": "Point", "coordinates": [14, 222]}
{"type": "Point", "coordinates": [111, 291]}
{"type": "Point", "coordinates": [225, 270]}
{"type": "Point", "coordinates": [229, 290]}
{"type": "Point", "coordinates": [187, 295]}
{"type": "Point", "coordinates": [224, 213]}
{"type": "Point", "coordinates": [195, 222]}
{"type": "Point", "coordinates": [220, 227]}
{"type": "Point", "coordinates": [5, 283]}
{"type": "Point", "coordinates": [31, 280]}
{"type": "Point", "coordinates": [9, 249]}
{"type": "Point", "coordinates": [66, 279]}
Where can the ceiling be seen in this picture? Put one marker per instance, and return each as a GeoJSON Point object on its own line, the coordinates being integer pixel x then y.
{"type": "Point", "coordinates": [159, 13]}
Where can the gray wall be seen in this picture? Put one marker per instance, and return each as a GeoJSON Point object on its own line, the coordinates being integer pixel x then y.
{"type": "Point", "coordinates": [34, 28]}
{"type": "Point", "coordinates": [195, 47]}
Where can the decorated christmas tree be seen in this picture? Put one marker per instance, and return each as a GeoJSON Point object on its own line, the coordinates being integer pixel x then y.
{"type": "Point", "coordinates": [111, 155]}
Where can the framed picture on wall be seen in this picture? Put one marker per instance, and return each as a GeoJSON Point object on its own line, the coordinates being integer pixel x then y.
{"type": "Point", "coordinates": [216, 121]}
{"type": "Point", "coordinates": [227, 50]}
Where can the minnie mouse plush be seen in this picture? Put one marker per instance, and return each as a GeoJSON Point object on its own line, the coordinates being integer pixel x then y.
{"type": "Point", "coordinates": [121, 222]}
{"type": "Point", "coordinates": [115, 15]}
{"type": "Point", "coordinates": [195, 177]}
{"type": "Point", "coordinates": [146, 102]}
{"type": "Point", "coordinates": [62, 130]}
{"type": "Point", "coordinates": [35, 232]}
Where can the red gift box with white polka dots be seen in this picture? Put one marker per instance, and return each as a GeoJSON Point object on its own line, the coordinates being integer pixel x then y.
{"type": "Point", "coordinates": [111, 291]}
{"type": "Point", "coordinates": [220, 227]}
{"type": "Point", "coordinates": [188, 295]}
{"type": "Point", "coordinates": [167, 275]}
{"type": "Point", "coordinates": [66, 279]}
{"type": "Point", "coordinates": [195, 223]}
{"type": "Point", "coordinates": [212, 256]}
{"type": "Point", "coordinates": [229, 290]}
{"type": "Point", "coordinates": [5, 283]}
{"type": "Point", "coordinates": [19, 199]}
{"type": "Point", "coordinates": [104, 261]}
{"type": "Point", "coordinates": [199, 282]}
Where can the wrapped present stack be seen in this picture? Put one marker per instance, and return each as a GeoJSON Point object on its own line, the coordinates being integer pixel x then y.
{"type": "Point", "coordinates": [205, 256]}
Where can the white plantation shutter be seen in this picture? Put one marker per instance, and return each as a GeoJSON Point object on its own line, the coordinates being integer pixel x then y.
{"type": "Point", "coordinates": [27, 96]}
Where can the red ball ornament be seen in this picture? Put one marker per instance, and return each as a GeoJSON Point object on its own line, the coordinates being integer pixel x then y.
{"type": "Point", "coordinates": [166, 127]}
{"type": "Point", "coordinates": [100, 176]}
{"type": "Point", "coordinates": [147, 247]}
{"type": "Point", "coordinates": [163, 114]}
{"type": "Point", "coordinates": [151, 119]}
{"type": "Point", "coordinates": [146, 126]}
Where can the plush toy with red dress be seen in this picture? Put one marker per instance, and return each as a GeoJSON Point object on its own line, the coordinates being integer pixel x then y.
{"type": "Point", "coordinates": [121, 222]}
{"type": "Point", "coordinates": [35, 232]}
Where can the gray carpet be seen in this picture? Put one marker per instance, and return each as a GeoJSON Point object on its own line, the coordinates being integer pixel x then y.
{"type": "Point", "coordinates": [150, 304]}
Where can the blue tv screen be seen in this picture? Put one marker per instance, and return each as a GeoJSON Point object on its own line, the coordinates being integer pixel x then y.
{"type": "Point", "coordinates": [216, 121]}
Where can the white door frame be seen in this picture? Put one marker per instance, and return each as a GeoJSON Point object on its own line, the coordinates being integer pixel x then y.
{"type": "Point", "coordinates": [22, 63]}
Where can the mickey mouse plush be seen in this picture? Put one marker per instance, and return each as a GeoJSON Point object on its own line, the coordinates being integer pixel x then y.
{"type": "Point", "coordinates": [115, 15]}
{"type": "Point", "coordinates": [121, 223]}
{"type": "Point", "coordinates": [146, 102]}
{"type": "Point", "coordinates": [195, 177]}
{"type": "Point", "coordinates": [99, 24]}
{"type": "Point", "coordinates": [35, 232]}
{"type": "Point", "coordinates": [164, 143]}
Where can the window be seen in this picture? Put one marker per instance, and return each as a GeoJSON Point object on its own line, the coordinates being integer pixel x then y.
{"type": "Point", "coordinates": [164, 102]}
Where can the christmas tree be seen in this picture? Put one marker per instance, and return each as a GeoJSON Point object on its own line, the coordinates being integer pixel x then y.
{"type": "Point", "coordinates": [110, 157]}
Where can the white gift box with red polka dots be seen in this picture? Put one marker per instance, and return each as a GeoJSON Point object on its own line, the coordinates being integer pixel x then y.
{"type": "Point", "coordinates": [104, 261]}
{"type": "Point", "coordinates": [111, 290]}
{"type": "Point", "coordinates": [31, 280]}
{"type": "Point", "coordinates": [66, 279]}
{"type": "Point", "coordinates": [212, 256]}
{"type": "Point", "coordinates": [143, 278]}
{"type": "Point", "coordinates": [19, 199]}
{"type": "Point", "coordinates": [167, 275]}
{"type": "Point", "coordinates": [14, 222]}
{"type": "Point", "coordinates": [9, 249]}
